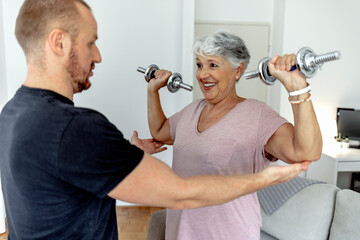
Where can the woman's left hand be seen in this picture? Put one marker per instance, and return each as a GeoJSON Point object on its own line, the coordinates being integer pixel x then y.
{"type": "Point", "coordinates": [150, 145]}
{"type": "Point", "coordinates": [280, 68]}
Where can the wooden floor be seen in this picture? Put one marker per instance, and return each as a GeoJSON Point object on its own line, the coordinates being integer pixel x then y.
{"type": "Point", "coordinates": [132, 222]}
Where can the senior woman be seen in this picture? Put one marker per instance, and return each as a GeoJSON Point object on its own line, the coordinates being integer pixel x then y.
{"type": "Point", "coordinates": [225, 134]}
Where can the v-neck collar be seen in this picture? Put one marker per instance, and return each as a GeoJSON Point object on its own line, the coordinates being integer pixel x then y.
{"type": "Point", "coordinates": [203, 101]}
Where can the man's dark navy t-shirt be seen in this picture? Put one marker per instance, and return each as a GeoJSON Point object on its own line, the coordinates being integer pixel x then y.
{"type": "Point", "coordinates": [58, 163]}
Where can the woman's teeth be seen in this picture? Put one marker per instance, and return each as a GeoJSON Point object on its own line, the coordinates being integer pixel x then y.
{"type": "Point", "coordinates": [209, 84]}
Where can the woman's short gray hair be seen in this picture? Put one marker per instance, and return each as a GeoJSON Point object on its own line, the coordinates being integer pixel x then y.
{"type": "Point", "coordinates": [225, 44]}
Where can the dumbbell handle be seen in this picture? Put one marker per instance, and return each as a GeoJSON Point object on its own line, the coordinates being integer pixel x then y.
{"type": "Point", "coordinates": [255, 73]}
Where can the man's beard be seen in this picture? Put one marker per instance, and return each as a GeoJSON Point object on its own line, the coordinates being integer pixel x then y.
{"type": "Point", "coordinates": [79, 77]}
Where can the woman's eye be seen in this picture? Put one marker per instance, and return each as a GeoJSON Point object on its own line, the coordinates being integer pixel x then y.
{"type": "Point", "coordinates": [213, 65]}
{"type": "Point", "coordinates": [198, 65]}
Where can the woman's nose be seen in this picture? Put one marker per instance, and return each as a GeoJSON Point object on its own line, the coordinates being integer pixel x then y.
{"type": "Point", "coordinates": [203, 73]}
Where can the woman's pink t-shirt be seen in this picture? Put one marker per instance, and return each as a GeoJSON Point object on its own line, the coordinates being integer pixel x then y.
{"type": "Point", "coordinates": [234, 145]}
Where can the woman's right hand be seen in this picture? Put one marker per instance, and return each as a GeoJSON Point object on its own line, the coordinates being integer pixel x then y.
{"type": "Point", "coordinates": [160, 80]}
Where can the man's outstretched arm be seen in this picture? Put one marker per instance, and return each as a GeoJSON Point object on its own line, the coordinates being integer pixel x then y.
{"type": "Point", "coordinates": [154, 183]}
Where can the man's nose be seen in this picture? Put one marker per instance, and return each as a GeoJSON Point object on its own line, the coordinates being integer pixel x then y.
{"type": "Point", "coordinates": [97, 55]}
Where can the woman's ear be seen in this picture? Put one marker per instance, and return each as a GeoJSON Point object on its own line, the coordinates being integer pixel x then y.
{"type": "Point", "coordinates": [240, 70]}
{"type": "Point", "coordinates": [58, 41]}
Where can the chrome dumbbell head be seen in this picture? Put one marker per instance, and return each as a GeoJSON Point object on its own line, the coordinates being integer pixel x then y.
{"type": "Point", "coordinates": [308, 62]}
{"type": "Point", "coordinates": [262, 72]}
{"type": "Point", "coordinates": [175, 82]}
{"type": "Point", "coordinates": [149, 72]}
{"type": "Point", "coordinates": [305, 62]}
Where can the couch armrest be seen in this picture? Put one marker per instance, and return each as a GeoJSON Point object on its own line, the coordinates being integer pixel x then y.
{"type": "Point", "coordinates": [156, 229]}
{"type": "Point", "coordinates": [345, 224]}
{"type": "Point", "coordinates": [306, 215]}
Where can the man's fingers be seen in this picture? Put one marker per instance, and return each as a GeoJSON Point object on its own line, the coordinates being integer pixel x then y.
{"type": "Point", "coordinates": [160, 149]}
{"type": "Point", "coordinates": [134, 137]}
{"type": "Point", "coordinates": [158, 144]}
{"type": "Point", "coordinates": [135, 134]}
{"type": "Point", "coordinates": [306, 165]}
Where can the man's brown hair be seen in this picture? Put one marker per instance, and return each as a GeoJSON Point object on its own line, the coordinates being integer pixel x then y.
{"type": "Point", "coordinates": [37, 18]}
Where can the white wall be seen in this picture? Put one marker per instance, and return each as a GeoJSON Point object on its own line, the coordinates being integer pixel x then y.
{"type": "Point", "coordinates": [234, 10]}
{"type": "Point", "coordinates": [3, 85]}
{"type": "Point", "coordinates": [325, 26]}
{"type": "Point", "coordinates": [14, 57]}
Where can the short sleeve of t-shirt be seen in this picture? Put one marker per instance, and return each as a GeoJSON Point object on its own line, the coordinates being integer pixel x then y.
{"type": "Point", "coordinates": [269, 122]}
{"type": "Point", "coordinates": [174, 119]}
{"type": "Point", "coordinates": [93, 154]}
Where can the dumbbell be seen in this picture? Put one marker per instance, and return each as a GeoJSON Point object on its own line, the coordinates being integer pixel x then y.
{"type": "Point", "coordinates": [306, 61]}
{"type": "Point", "coordinates": [174, 82]}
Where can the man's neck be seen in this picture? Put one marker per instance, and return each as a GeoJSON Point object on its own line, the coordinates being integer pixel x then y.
{"type": "Point", "coordinates": [54, 82]}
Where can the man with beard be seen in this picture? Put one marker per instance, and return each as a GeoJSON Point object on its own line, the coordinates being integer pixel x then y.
{"type": "Point", "coordinates": [62, 167]}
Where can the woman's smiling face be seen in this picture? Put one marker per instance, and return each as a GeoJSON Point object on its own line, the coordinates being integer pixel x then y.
{"type": "Point", "coordinates": [216, 77]}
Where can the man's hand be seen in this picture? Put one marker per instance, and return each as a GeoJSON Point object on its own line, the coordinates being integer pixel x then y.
{"type": "Point", "coordinates": [150, 145]}
{"type": "Point", "coordinates": [278, 174]}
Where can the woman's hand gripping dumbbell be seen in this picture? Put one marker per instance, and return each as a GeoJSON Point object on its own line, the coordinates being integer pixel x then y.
{"type": "Point", "coordinates": [306, 61]}
{"type": "Point", "coordinates": [174, 82]}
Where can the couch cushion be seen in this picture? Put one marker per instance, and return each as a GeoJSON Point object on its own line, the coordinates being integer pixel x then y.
{"type": "Point", "coordinates": [306, 215]}
{"type": "Point", "coordinates": [346, 217]}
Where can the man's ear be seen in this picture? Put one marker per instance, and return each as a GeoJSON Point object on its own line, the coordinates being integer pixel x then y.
{"type": "Point", "coordinates": [58, 41]}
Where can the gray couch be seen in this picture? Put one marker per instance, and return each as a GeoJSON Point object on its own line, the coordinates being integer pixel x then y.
{"type": "Point", "coordinates": [319, 211]}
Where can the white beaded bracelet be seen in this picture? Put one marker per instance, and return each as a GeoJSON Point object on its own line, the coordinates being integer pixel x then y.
{"type": "Point", "coordinates": [301, 91]}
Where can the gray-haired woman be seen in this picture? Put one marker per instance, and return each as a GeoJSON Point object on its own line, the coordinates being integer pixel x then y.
{"type": "Point", "coordinates": [225, 134]}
